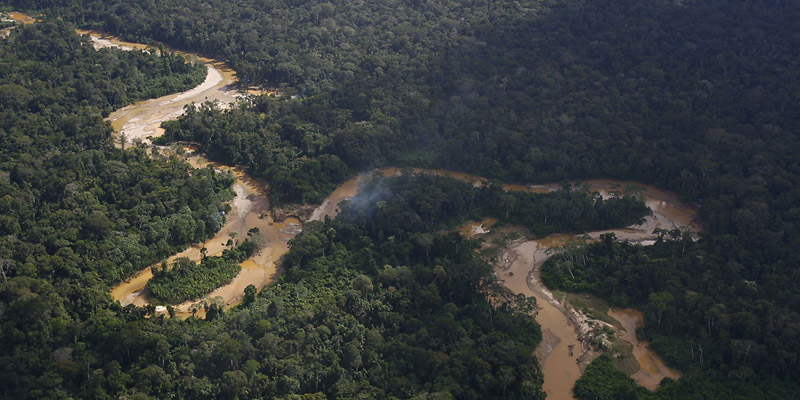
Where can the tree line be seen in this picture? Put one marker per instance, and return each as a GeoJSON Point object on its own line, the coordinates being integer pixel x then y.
{"type": "Point", "coordinates": [692, 320]}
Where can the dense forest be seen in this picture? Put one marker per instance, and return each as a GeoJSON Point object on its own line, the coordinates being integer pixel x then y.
{"type": "Point", "coordinates": [78, 214]}
{"type": "Point", "coordinates": [698, 97]}
{"type": "Point", "coordinates": [661, 281]}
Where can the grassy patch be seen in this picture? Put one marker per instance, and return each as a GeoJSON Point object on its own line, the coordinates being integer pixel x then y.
{"type": "Point", "coordinates": [624, 360]}
{"type": "Point", "coordinates": [621, 350]}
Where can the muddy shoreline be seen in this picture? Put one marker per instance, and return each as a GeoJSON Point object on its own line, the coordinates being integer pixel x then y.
{"type": "Point", "coordinates": [565, 350]}
{"type": "Point", "coordinates": [568, 332]}
{"type": "Point", "coordinates": [141, 122]}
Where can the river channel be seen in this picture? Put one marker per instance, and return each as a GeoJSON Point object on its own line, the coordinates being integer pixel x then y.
{"type": "Point", "coordinates": [562, 352]}
{"type": "Point", "coordinates": [518, 268]}
{"type": "Point", "coordinates": [141, 121]}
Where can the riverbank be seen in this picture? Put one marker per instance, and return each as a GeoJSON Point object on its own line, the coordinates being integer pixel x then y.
{"type": "Point", "coordinates": [250, 207]}
{"type": "Point", "coordinates": [569, 334]}
{"type": "Point", "coordinates": [567, 331]}
{"type": "Point", "coordinates": [571, 337]}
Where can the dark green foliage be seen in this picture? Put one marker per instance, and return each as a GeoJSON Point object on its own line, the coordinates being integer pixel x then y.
{"type": "Point", "coordinates": [602, 381]}
{"type": "Point", "coordinates": [691, 321]}
{"type": "Point", "coordinates": [569, 209]}
{"type": "Point", "coordinates": [187, 280]}
{"type": "Point", "coordinates": [398, 317]}
{"type": "Point", "coordinates": [76, 214]}
{"type": "Point", "coordinates": [285, 150]}
{"type": "Point", "coordinates": [699, 97]}
{"type": "Point", "coordinates": [39, 73]}
{"type": "Point", "coordinates": [413, 203]}
{"type": "Point", "coordinates": [354, 316]}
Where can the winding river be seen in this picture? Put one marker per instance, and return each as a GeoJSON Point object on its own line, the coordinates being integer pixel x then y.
{"type": "Point", "coordinates": [141, 121]}
{"type": "Point", "coordinates": [562, 353]}
{"type": "Point", "coordinates": [517, 268]}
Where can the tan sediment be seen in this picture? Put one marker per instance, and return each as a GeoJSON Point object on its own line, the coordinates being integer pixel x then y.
{"type": "Point", "coordinates": [565, 350]}
{"type": "Point", "coordinates": [652, 369]}
{"type": "Point", "coordinates": [249, 208]}
{"type": "Point", "coordinates": [142, 120]}
{"type": "Point", "coordinates": [477, 227]}
{"type": "Point", "coordinates": [330, 206]}
{"type": "Point", "coordinates": [668, 211]}
{"type": "Point", "coordinates": [16, 17]}
{"type": "Point", "coordinates": [557, 354]}
{"type": "Point", "coordinates": [20, 17]}
{"type": "Point", "coordinates": [562, 346]}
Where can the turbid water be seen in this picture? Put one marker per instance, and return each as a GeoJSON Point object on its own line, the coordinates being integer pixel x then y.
{"type": "Point", "coordinates": [16, 17]}
{"type": "Point", "coordinates": [249, 209]}
{"type": "Point", "coordinates": [651, 367]}
{"type": "Point", "coordinates": [519, 271]}
{"type": "Point", "coordinates": [142, 120]}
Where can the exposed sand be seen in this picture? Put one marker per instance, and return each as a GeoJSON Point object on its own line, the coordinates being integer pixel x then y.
{"type": "Point", "coordinates": [564, 350]}
{"type": "Point", "coordinates": [668, 211]}
{"type": "Point", "coordinates": [652, 368]}
{"type": "Point", "coordinates": [14, 16]}
{"type": "Point", "coordinates": [519, 269]}
{"type": "Point", "coordinates": [249, 209]}
{"type": "Point", "coordinates": [558, 352]}
{"type": "Point", "coordinates": [477, 228]}
{"type": "Point", "coordinates": [330, 206]}
{"type": "Point", "coordinates": [143, 120]}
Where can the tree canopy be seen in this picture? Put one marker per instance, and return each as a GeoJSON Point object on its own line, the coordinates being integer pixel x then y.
{"type": "Point", "coordinates": [698, 97]}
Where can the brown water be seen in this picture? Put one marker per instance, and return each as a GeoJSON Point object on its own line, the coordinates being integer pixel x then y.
{"type": "Point", "coordinates": [558, 352]}
{"type": "Point", "coordinates": [668, 211]}
{"type": "Point", "coordinates": [249, 209]}
{"type": "Point", "coordinates": [652, 368]}
{"type": "Point", "coordinates": [559, 364]}
{"type": "Point", "coordinates": [142, 120]}
{"type": "Point", "coordinates": [16, 17]}
{"type": "Point", "coordinates": [519, 271]}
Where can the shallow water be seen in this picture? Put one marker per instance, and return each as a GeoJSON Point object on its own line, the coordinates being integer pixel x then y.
{"type": "Point", "coordinates": [652, 368]}
{"type": "Point", "coordinates": [520, 273]}
{"type": "Point", "coordinates": [250, 209]}
{"type": "Point", "coordinates": [559, 364]}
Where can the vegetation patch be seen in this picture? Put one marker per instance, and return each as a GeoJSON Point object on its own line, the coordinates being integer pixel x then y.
{"type": "Point", "coordinates": [187, 280]}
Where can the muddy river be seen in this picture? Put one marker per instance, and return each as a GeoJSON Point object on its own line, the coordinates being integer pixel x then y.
{"type": "Point", "coordinates": [651, 367]}
{"type": "Point", "coordinates": [249, 208]}
{"type": "Point", "coordinates": [563, 353]}
{"type": "Point", "coordinates": [518, 267]}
